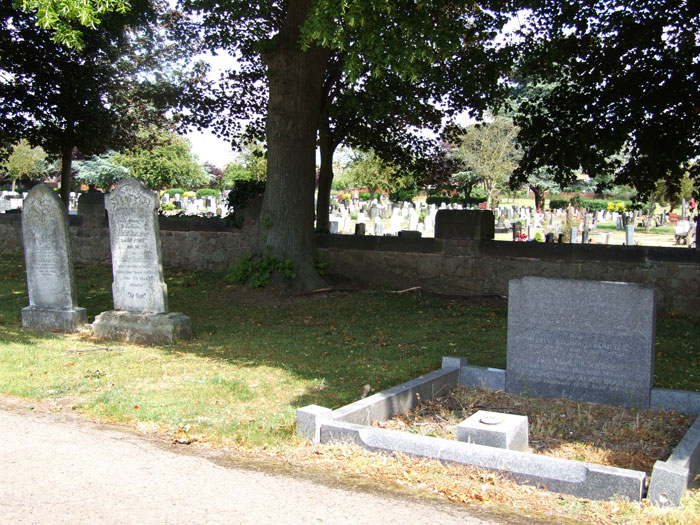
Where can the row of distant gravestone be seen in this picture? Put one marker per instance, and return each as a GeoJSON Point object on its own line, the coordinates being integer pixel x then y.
{"type": "Point", "coordinates": [139, 291]}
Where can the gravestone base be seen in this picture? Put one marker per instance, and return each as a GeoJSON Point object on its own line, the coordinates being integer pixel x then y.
{"type": "Point", "coordinates": [143, 327]}
{"type": "Point", "coordinates": [41, 318]}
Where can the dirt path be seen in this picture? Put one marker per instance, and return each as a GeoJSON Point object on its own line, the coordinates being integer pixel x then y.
{"type": "Point", "coordinates": [57, 468]}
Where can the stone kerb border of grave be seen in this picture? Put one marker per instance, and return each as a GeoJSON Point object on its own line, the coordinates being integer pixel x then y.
{"type": "Point", "coordinates": [47, 255]}
{"type": "Point", "coordinates": [139, 291]}
{"type": "Point", "coordinates": [351, 424]}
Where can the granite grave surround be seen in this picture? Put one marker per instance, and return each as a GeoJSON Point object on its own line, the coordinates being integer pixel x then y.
{"type": "Point", "coordinates": [614, 365]}
{"type": "Point", "coordinates": [139, 291]}
{"type": "Point", "coordinates": [50, 281]}
{"type": "Point", "coordinates": [351, 423]}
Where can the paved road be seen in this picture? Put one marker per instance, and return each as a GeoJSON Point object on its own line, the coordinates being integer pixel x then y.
{"type": "Point", "coordinates": [55, 469]}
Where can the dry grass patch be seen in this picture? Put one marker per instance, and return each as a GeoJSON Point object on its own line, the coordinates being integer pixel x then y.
{"type": "Point", "coordinates": [488, 492]}
{"type": "Point", "coordinates": [603, 434]}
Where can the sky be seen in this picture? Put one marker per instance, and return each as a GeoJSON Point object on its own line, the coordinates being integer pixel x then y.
{"type": "Point", "coordinates": [209, 148]}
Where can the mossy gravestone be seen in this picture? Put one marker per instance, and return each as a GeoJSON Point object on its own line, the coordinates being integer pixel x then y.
{"type": "Point", "coordinates": [52, 298]}
{"type": "Point", "coordinates": [139, 291]}
{"type": "Point", "coordinates": [582, 340]}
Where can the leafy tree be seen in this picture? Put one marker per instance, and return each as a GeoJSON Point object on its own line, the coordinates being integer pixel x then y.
{"type": "Point", "coordinates": [541, 182]}
{"type": "Point", "coordinates": [489, 152]}
{"type": "Point", "coordinates": [624, 80]}
{"type": "Point", "coordinates": [254, 160]}
{"type": "Point", "coordinates": [95, 99]}
{"type": "Point", "coordinates": [216, 176]}
{"type": "Point", "coordinates": [62, 16]}
{"type": "Point", "coordinates": [25, 162]}
{"type": "Point", "coordinates": [234, 171]}
{"type": "Point", "coordinates": [290, 44]}
{"type": "Point", "coordinates": [168, 163]}
{"type": "Point", "coordinates": [100, 170]}
{"type": "Point", "coordinates": [368, 170]}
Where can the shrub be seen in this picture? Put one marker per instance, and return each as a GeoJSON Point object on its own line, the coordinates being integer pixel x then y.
{"type": "Point", "coordinates": [189, 194]}
{"type": "Point", "coordinates": [207, 192]}
{"type": "Point", "coordinates": [438, 200]}
{"type": "Point", "coordinates": [244, 190]}
{"type": "Point", "coordinates": [476, 196]}
{"type": "Point", "coordinates": [167, 206]}
{"type": "Point", "coordinates": [172, 191]}
{"type": "Point", "coordinates": [555, 204]}
{"type": "Point", "coordinates": [256, 272]}
{"type": "Point", "coordinates": [404, 194]}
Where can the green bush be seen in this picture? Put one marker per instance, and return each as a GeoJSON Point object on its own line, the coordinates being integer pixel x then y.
{"type": "Point", "coordinates": [591, 204]}
{"type": "Point", "coordinates": [241, 192]}
{"type": "Point", "coordinates": [404, 194]}
{"type": "Point", "coordinates": [555, 204]}
{"type": "Point", "coordinates": [438, 200]}
{"type": "Point", "coordinates": [476, 196]}
{"type": "Point", "coordinates": [244, 190]}
{"type": "Point", "coordinates": [256, 271]}
{"type": "Point", "coordinates": [207, 192]}
{"type": "Point", "coordinates": [167, 206]}
{"type": "Point", "coordinates": [172, 191]}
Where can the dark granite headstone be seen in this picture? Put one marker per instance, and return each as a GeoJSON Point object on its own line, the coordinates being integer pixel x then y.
{"type": "Point", "coordinates": [464, 224]}
{"type": "Point", "coordinates": [610, 361]}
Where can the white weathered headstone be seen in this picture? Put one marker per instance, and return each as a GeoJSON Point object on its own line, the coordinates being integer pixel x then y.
{"type": "Point", "coordinates": [139, 292]}
{"type": "Point", "coordinates": [52, 297]}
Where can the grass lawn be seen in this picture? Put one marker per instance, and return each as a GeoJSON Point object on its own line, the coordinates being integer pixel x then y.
{"type": "Point", "coordinates": [257, 357]}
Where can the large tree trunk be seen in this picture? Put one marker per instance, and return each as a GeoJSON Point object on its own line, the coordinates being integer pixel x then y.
{"type": "Point", "coordinates": [295, 83]}
{"type": "Point", "coordinates": [325, 178]}
{"type": "Point", "coordinates": [539, 197]}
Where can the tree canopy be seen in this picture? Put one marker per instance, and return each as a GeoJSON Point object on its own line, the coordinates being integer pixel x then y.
{"type": "Point", "coordinates": [166, 163]}
{"type": "Point", "coordinates": [93, 99]}
{"type": "Point", "coordinates": [623, 80]}
{"type": "Point", "coordinates": [24, 162]}
{"type": "Point", "coordinates": [295, 52]}
{"type": "Point", "coordinates": [488, 152]}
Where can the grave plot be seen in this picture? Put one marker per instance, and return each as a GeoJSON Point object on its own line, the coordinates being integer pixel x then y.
{"type": "Point", "coordinates": [610, 361]}
{"type": "Point", "coordinates": [580, 431]}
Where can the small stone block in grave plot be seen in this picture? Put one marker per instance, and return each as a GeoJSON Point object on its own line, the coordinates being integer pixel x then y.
{"type": "Point", "coordinates": [308, 421]}
{"type": "Point", "coordinates": [494, 429]}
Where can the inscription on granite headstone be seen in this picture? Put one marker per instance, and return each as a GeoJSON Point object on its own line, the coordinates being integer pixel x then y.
{"type": "Point", "coordinates": [582, 340]}
{"type": "Point", "coordinates": [50, 282]}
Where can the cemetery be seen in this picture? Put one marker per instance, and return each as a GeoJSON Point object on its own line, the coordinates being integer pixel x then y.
{"type": "Point", "coordinates": [478, 223]}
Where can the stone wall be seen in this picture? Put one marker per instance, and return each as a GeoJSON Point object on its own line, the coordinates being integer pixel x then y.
{"type": "Point", "coordinates": [188, 243]}
{"type": "Point", "coordinates": [441, 265]}
{"type": "Point", "coordinates": [486, 267]}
